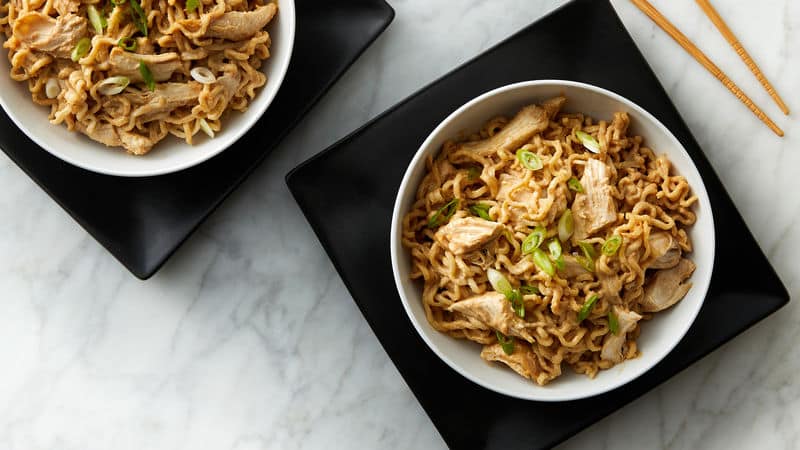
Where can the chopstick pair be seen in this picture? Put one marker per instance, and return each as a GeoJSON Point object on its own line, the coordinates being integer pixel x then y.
{"type": "Point", "coordinates": [692, 49]}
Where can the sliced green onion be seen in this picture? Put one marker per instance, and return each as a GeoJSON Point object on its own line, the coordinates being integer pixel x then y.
{"type": "Point", "coordinates": [81, 49]}
{"type": "Point", "coordinates": [516, 303]}
{"type": "Point", "coordinates": [543, 262]}
{"type": "Point", "coordinates": [613, 323]}
{"type": "Point", "coordinates": [529, 160]}
{"type": "Point", "coordinates": [555, 248]}
{"type": "Point", "coordinates": [559, 262]}
{"type": "Point", "coordinates": [113, 85]}
{"type": "Point", "coordinates": [611, 245]}
{"type": "Point", "coordinates": [587, 308]}
{"type": "Point", "coordinates": [206, 128]}
{"type": "Point", "coordinates": [139, 17]}
{"type": "Point", "coordinates": [127, 43]}
{"type": "Point", "coordinates": [588, 250]}
{"type": "Point", "coordinates": [481, 210]}
{"type": "Point", "coordinates": [527, 289]}
{"type": "Point", "coordinates": [534, 240]}
{"type": "Point", "coordinates": [473, 172]}
{"type": "Point", "coordinates": [588, 141]}
{"type": "Point", "coordinates": [192, 5]}
{"type": "Point", "coordinates": [444, 213]}
{"type": "Point", "coordinates": [589, 255]}
{"type": "Point", "coordinates": [507, 342]}
{"type": "Point", "coordinates": [95, 19]}
{"type": "Point", "coordinates": [574, 185]}
{"type": "Point", "coordinates": [565, 225]}
{"type": "Point", "coordinates": [499, 282]}
{"type": "Point", "coordinates": [147, 76]}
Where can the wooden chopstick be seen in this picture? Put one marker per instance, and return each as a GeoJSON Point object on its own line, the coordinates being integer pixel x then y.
{"type": "Point", "coordinates": [687, 45]}
{"type": "Point", "coordinates": [726, 32]}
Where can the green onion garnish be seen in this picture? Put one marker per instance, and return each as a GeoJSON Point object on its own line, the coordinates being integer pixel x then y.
{"type": "Point", "coordinates": [473, 172]}
{"type": "Point", "coordinates": [81, 49]}
{"type": "Point", "coordinates": [534, 240]}
{"type": "Point", "coordinates": [527, 289]}
{"type": "Point", "coordinates": [559, 262]}
{"type": "Point", "coordinates": [565, 225]}
{"type": "Point", "coordinates": [588, 141]}
{"type": "Point", "coordinates": [588, 249]}
{"type": "Point", "coordinates": [611, 245]}
{"type": "Point", "coordinates": [444, 213]}
{"type": "Point", "coordinates": [555, 248]}
{"type": "Point", "coordinates": [543, 262]}
{"type": "Point", "coordinates": [516, 303]}
{"type": "Point", "coordinates": [529, 160]}
{"type": "Point", "coordinates": [574, 185]}
{"type": "Point", "coordinates": [96, 19]}
{"type": "Point", "coordinates": [147, 76]}
{"type": "Point", "coordinates": [587, 308]}
{"type": "Point", "coordinates": [613, 323]}
{"type": "Point", "coordinates": [507, 342]}
{"type": "Point", "coordinates": [139, 17]}
{"type": "Point", "coordinates": [481, 210]}
{"type": "Point", "coordinates": [501, 284]}
{"type": "Point", "coordinates": [192, 5]}
{"type": "Point", "coordinates": [589, 255]}
{"type": "Point", "coordinates": [127, 43]}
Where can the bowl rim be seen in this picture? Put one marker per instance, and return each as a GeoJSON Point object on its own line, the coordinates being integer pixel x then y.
{"type": "Point", "coordinates": [249, 119]}
{"type": "Point", "coordinates": [396, 245]}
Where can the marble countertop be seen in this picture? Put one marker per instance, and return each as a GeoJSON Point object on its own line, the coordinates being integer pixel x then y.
{"type": "Point", "coordinates": [247, 338]}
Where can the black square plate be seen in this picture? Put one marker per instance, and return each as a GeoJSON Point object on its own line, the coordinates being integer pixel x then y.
{"type": "Point", "coordinates": [142, 221]}
{"type": "Point", "coordinates": [362, 173]}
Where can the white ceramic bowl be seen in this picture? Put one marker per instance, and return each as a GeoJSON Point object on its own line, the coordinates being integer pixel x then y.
{"type": "Point", "coordinates": [171, 154]}
{"type": "Point", "coordinates": [658, 337]}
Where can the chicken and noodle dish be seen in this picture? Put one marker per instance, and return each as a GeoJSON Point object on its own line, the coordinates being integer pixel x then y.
{"type": "Point", "coordinates": [127, 73]}
{"type": "Point", "coordinates": [549, 239]}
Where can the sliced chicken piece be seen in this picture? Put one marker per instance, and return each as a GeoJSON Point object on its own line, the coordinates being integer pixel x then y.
{"type": "Point", "coordinates": [667, 287]}
{"type": "Point", "coordinates": [166, 98]}
{"type": "Point", "coordinates": [529, 121]}
{"type": "Point", "coordinates": [522, 361]}
{"type": "Point", "coordinates": [572, 268]}
{"type": "Point", "coordinates": [136, 143]}
{"type": "Point", "coordinates": [127, 64]}
{"type": "Point", "coordinates": [113, 137]}
{"type": "Point", "coordinates": [57, 37]}
{"type": "Point", "coordinates": [610, 285]}
{"type": "Point", "coordinates": [103, 132]}
{"type": "Point", "coordinates": [237, 25]}
{"type": "Point", "coordinates": [467, 234]}
{"type": "Point", "coordinates": [665, 251]}
{"type": "Point", "coordinates": [612, 346]}
{"type": "Point", "coordinates": [65, 7]}
{"type": "Point", "coordinates": [493, 310]}
{"type": "Point", "coordinates": [594, 208]}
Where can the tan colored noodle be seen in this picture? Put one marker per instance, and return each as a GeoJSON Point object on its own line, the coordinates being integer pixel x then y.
{"type": "Point", "coordinates": [649, 200]}
{"type": "Point", "coordinates": [225, 36]}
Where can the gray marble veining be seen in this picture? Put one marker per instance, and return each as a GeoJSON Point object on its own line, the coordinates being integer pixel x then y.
{"type": "Point", "coordinates": [247, 338]}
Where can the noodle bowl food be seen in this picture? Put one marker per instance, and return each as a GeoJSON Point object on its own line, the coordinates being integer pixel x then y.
{"type": "Point", "coordinates": [128, 73]}
{"type": "Point", "coordinates": [549, 239]}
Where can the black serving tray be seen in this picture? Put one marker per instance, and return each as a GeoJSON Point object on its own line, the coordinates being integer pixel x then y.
{"type": "Point", "coordinates": [142, 221]}
{"type": "Point", "coordinates": [362, 173]}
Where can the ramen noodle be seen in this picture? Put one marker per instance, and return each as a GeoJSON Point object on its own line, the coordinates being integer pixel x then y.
{"type": "Point", "coordinates": [127, 73]}
{"type": "Point", "coordinates": [548, 238]}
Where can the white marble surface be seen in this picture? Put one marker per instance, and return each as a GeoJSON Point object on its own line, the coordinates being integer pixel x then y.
{"type": "Point", "coordinates": [247, 338]}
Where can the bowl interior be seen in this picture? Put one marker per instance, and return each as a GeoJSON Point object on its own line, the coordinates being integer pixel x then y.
{"type": "Point", "coordinates": [171, 154]}
{"type": "Point", "coordinates": [658, 337]}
